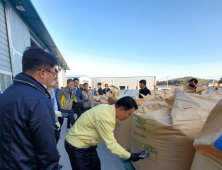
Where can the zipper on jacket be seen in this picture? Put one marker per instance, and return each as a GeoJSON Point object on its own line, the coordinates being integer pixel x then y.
{"type": "Point", "coordinates": [32, 86]}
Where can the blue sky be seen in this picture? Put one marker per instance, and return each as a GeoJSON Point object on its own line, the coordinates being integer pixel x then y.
{"type": "Point", "coordinates": [137, 38]}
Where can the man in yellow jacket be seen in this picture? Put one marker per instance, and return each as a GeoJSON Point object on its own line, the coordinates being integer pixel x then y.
{"type": "Point", "coordinates": [94, 126]}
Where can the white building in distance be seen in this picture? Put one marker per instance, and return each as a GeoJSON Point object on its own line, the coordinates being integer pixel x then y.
{"type": "Point", "coordinates": [125, 83]}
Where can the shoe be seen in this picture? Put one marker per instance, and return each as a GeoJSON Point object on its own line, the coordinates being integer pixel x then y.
{"type": "Point", "coordinates": [60, 166]}
{"type": "Point", "coordinates": [68, 129]}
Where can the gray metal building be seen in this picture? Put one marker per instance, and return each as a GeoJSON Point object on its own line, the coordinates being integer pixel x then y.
{"type": "Point", "coordinates": [21, 27]}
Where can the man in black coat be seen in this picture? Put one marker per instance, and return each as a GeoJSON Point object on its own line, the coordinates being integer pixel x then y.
{"type": "Point", "coordinates": [100, 90]}
{"type": "Point", "coordinates": [27, 118]}
{"type": "Point", "coordinates": [143, 89]}
{"type": "Point", "coordinates": [106, 89]}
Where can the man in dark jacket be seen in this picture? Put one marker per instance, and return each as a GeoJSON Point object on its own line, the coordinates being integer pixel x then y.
{"type": "Point", "coordinates": [77, 107]}
{"type": "Point", "coordinates": [193, 83]}
{"type": "Point", "coordinates": [106, 89]}
{"type": "Point", "coordinates": [100, 90]}
{"type": "Point", "coordinates": [143, 89]}
{"type": "Point", "coordinates": [27, 118]}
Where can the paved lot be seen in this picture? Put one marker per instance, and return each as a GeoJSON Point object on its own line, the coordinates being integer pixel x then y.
{"type": "Point", "coordinates": [109, 161]}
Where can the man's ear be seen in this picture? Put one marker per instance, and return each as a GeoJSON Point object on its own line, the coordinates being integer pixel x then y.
{"type": "Point", "coordinates": [122, 109]}
{"type": "Point", "coordinates": [42, 73]}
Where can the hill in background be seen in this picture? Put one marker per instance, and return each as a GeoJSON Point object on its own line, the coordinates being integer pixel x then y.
{"type": "Point", "coordinates": [182, 81]}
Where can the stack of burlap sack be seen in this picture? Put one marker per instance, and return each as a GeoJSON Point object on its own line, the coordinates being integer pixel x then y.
{"type": "Point", "coordinates": [208, 144]}
{"type": "Point", "coordinates": [155, 96]}
{"type": "Point", "coordinates": [110, 97]}
{"type": "Point", "coordinates": [167, 129]}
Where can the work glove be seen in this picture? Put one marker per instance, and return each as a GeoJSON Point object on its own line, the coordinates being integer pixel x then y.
{"type": "Point", "coordinates": [58, 114]}
{"type": "Point", "coordinates": [57, 125]}
{"type": "Point", "coordinates": [137, 156]}
{"type": "Point", "coordinates": [86, 101]}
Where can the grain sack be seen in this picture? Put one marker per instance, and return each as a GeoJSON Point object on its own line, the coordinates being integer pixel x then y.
{"type": "Point", "coordinates": [100, 100]}
{"type": "Point", "coordinates": [168, 133]}
{"type": "Point", "coordinates": [113, 98]}
{"type": "Point", "coordinates": [114, 95]}
{"type": "Point", "coordinates": [187, 89]}
{"type": "Point", "coordinates": [167, 94]}
{"type": "Point", "coordinates": [122, 132]}
{"type": "Point", "coordinates": [204, 162]}
{"type": "Point", "coordinates": [146, 98]}
{"type": "Point", "coordinates": [144, 135]}
{"type": "Point", "coordinates": [123, 128]}
{"type": "Point", "coordinates": [159, 94]}
{"type": "Point", "coordinates": [209, 142]}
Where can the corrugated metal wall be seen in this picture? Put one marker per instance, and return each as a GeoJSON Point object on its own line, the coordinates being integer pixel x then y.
{"type": "Point", "coordinates": [19, 39]}
{"type": "Point", "coordinates": [5, 63]}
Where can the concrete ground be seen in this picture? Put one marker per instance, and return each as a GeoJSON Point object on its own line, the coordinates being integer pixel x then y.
{"type": "Point", "coordinates": [108, 160]}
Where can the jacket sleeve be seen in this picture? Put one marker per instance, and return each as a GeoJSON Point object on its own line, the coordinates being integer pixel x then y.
{"type": "Point", "coordinates": [60, 93]}
{"type": "Point", "coordinates": [81, 98]}
{"type": "Point", "coordinates": [77, 100]}
{"type": "Point", "coordinates": [42, 128]}
{"type": "Point", "coordinates": [149, 92]}
{"type": "Point", "coordinates": [105, 130]}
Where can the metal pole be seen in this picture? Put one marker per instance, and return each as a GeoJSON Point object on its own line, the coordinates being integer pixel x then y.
{"type": "Point", "coordinates": [167, 82]}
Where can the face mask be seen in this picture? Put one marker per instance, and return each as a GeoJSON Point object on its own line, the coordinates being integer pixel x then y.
{"type": "Point", "coordinates": [98, 86]}
{"type": "Point", "coordinates": [106, 87]}
{"type": "Point", "coordinates": [191, 85]}
{"type": "Point", "coordinates": [53, 83]}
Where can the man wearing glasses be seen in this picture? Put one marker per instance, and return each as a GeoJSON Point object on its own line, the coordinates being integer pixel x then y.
{"type": "Point", "coordinates": [27, 118]}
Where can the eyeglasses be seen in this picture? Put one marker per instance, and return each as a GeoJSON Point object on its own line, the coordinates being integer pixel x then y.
{"type": "Point", "coordinates": [55, 75]}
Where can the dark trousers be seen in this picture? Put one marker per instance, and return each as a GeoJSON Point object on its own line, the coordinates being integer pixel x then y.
{"type": "Point", "coordinates": [83, 158]}
{"type": "Point", "coordinates": [57, 135]}
{"type": "Point", "coordinates": [71, 117]}
{"type": "Point", "coordinates": [57, 132]}
{"type": "Point", "coordinates": [78, 110]}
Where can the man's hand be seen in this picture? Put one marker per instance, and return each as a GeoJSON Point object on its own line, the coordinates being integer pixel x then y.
{"type": "Point", "coordinates": [137, 156]}
{"type": "Point", "coordinates": [86, 101]}
{"type": "Point", "coordinates": [58, 114]}
{"type": "Point", "coordinates": [57, 125]}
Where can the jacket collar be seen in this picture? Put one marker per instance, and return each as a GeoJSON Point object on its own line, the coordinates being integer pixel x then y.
{"type": "Point", "coordinates": [24, 78]}
{"type": "Point", "coordinates": [144, 88]}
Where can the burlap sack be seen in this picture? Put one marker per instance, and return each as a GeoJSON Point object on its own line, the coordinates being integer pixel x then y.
{"type": "Point", "coordinates": [209, 141]}
{"type": "Point", "coordinates": [167, 94]}
{"type": "Point", "coordinates": [146, 98]}
{"type": "Point", "coordinates": [145, 135]}
{"type": "Point", "coordinates": [122, 132]}
{"type": "Point", "coordinates": [204, 162]}
{"type": "Point", "coordinates": [169, 134]}
{"type": "Point", "coordinates": [113, 98]}
{"type": "Point", "coordinates": [159, 94]}
{"type": "Point", "coordinates": [187, 89]}
{"type": "Point", "coordinates": [100, 100]}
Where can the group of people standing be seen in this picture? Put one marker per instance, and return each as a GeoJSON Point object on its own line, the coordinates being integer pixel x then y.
{"type": "Point", "coordinates": [32, 111]}
{"type": "Point", "coordinates": [101, 91]}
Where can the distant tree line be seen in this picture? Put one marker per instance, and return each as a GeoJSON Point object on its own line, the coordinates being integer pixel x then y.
{"type": "Point", "coordinates": [182, 81]}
